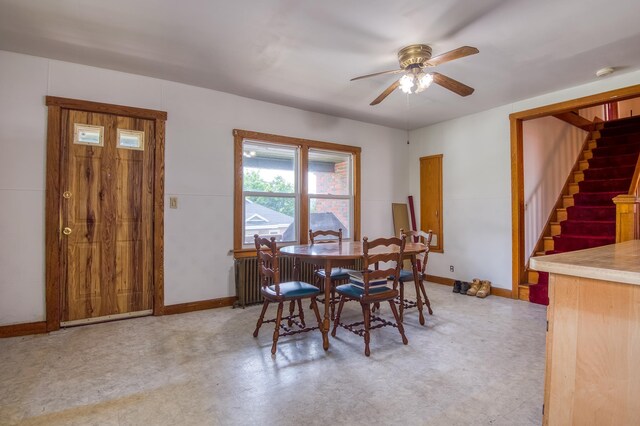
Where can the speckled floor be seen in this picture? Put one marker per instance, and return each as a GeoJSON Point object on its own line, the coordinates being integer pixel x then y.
{"type": "Point", "coordinates": [476, 362]}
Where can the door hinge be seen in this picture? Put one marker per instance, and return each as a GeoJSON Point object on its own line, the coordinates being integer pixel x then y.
{"type": "Point", "coordinates": [543, 409]}
{"type": "Point", "coordinates": [547, 325]}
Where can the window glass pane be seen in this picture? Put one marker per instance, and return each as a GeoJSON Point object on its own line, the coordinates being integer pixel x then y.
{"type": "Point", "coordinates": [330, 214]}
{"type": "Point", "coordinates": [329, 172]}
{"type": "Point", "coordinates": [270, 217]}
{"type": "Point", "coordinates": [268, 168]}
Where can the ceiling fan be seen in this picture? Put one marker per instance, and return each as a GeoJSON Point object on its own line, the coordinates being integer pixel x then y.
{"type": "Point", "coordinates": [414, 60]}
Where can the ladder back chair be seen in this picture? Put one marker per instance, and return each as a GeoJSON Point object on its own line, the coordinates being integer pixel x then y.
{"type": "Point", "coordinates": [407, 276]}
{"type": "Point", "coordinates": [370, 286]}
{"type": "Point", "coordinates": [339, 274]}
{"type": "Point", "coordinates": [274, 291]}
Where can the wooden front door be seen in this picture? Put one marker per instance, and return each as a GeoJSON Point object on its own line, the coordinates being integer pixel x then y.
{"type": "Point", "coordinates": [431, 199]}
{"type": "Point", "coordinates": [106, 183]}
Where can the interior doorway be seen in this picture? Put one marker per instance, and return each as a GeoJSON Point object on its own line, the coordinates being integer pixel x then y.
{"type": "Point", "coordinates": [566, 109]}
{"type": "Point", "coordinates": [104, 219]}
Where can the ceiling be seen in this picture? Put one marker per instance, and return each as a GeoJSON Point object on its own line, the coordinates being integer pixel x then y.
{"type": "Point", "coordinates": [303, 53]}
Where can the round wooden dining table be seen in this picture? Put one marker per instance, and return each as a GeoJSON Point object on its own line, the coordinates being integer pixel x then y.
{"type": "Point", "coordinates": [329, 255]}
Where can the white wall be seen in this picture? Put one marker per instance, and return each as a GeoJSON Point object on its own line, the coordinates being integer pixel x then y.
{"type": "Point", "coordinates": [477, 183]}
{"type": "Point", "coordinates": [550, 149]}
{"type": "Point", "coordinates": [199, 171]}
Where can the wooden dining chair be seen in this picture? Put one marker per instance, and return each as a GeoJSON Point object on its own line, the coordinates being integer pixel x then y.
{"type": "Point", "coordinates": [370, 286]}
{"type": "Point", "coordinates": [339, 274]}
{"type": "Point", "coordinates": [406, 276]}
{"type": "Point", "coordinates": [273, 290]}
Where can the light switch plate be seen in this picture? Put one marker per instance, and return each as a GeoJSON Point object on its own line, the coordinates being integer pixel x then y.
{"type": "Point", "coordinates": [173, 202]}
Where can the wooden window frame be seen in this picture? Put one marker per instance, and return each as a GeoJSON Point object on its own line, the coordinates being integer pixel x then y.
{"type": "Point", "coordinates": [303, 212]}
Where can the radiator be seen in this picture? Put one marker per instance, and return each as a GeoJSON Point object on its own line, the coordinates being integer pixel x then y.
{"type": "Point", "coordinates": [248, 280]}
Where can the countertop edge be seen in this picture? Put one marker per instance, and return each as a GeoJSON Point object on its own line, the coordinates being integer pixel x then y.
{"type": "Point", "coordinates": [613, 275]}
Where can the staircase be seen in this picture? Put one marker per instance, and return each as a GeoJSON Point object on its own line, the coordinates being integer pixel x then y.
{"type": "Point", "coordinates": [586, 216]}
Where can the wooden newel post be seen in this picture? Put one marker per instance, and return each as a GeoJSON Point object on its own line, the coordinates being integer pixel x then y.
{"type": "Point", "coordinates": [627, 218]}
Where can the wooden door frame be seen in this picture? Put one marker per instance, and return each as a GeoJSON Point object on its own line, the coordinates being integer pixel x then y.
{"type": "Point", "coordinates": [53, 196]}
{"type": "Point", "coordinates": [517, 168]}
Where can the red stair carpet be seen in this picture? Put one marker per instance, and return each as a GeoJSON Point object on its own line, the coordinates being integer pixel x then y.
{"type": "Point", "coordinates": [591, 221]}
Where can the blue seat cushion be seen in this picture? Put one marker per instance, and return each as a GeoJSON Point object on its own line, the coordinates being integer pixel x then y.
{"type": "Point", "coordinates": [292, 289]}
{"type": "Point", "coordinates": [356, 279]}
{"type": "Point", "coordinates": [356, 292]}
{"type": "Point", "coordinates": [336, 273]}
{"type": "Point", "coordinates": [404, 276]}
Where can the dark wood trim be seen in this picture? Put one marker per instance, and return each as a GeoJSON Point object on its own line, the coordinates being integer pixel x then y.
{"type": "Point", "coordinates": [52, 219]}
{"type": "Point", "coordinates": [82, 105]}
{"type": "Point", "coordinates": [24, 329]}
{"type": "Point", "coordinates": [573, 118]}
{"type": "Point", "coordinates": [500, 292]}
{"type": "Point", "coordinates": [53, 247]}
{"type": "Point", "coordinates": [200, 305]}
{"type": "Point", "coordinates": [305, 144]}
{"type": "Point", "coordinates": [158, 219]}
{"type": "Point", "coordinates": [517, 167]}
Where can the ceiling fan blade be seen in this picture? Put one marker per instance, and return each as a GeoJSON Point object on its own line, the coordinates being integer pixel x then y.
{"type": "Point", "coordinates": [386, 92]}
{"type": "Point", "coordinates": [377, 73]}
{"type": "Point", "coordinates": [458, 53]}
{"type": "Point", "coordinates": [451, 84]}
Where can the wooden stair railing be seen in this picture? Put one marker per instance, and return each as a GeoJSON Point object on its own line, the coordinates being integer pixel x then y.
{"type": "Point", "coordinates": [628, 210]}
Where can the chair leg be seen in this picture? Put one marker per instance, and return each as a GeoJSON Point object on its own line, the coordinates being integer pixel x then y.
{"type": "Point", "coordinates": [292, 308]}
{"type": "Point", "coordinates": [418, 303]}
{"type": "Point", "coordinates": [314, 307]}
{"type": "Point", "coordinates": [276, 332]}
{"type": "Point", "coordinates": [366, 311]}
{"type": "Point", "coordinates": [333, 302]}
{"type": "Point", "coordinates": [402, 301]}
{"type": "Point", "coordinates": [265, 305]}
{"type": "Point", "coordinates": [398, 322]}
{"type": "Point", "coordinates": [336, 322]}
{"type": "Point", "coordinates": [301, 314]}
{"type": "Point", "coordinates": [426, 298]}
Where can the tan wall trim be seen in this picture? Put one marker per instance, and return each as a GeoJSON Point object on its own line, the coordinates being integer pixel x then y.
{"type": "Point", "coordinates": [199, 305]}
{"type": "Point", "coordinates": [501, 292]}
{"type": "Point", "coordinates": [24, 329]}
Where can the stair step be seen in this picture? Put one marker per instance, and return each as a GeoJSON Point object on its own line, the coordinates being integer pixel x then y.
{"type": "Point", "coordinates": [592, 144]}
{"type": "Point", "coordinates": [574, 188]}
{"type": "Point", "coordinates": [589, 213]}
{"type": "Point", "coordinates": [579, 242]}
{"type": "Point", "coordinates": [594, 198]}
{"type": "Point", "coordinates": [604, 185]}
{"type": "Point", "coordinates": [532, 276]}
{"type": "Point", "coordinates": [540, 253]}
{"type": "Point", "coordinates": [613, 150]}
{"type": "Point", "coordinates": [556, 228]}
{"type": "Point", "coordinates": [578, 176]}
{"type": "Point", "coordinates": [567, 201]}
{"type": "Point", "coordinates": [608, 172]}
{"type": "Point", "coordinates": [561, 214]}
{"type": "Point", "coordinates": [620, 122]}
{"type": "Point", "coordinates": [618, 140]}
{"type": "Point", "coordinates": [588, 227]}
{"type": "Point", "coordinates": [549, 243]}
{"type": "Point", "coordinates": [615, 161]}
{"type": "Point", "coordinates": [587, 154]}
{"type": "Point", "coordinates": [618, 130]}
{"type": "Point", "coordinates": [583, 164]}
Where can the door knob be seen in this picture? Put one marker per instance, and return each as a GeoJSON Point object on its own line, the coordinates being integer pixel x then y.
{"type": "Point", "coordinates": [66, 231]}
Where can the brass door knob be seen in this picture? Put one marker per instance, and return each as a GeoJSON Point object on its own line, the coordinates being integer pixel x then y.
{"type": "Point", "coordinates": [66, 231]}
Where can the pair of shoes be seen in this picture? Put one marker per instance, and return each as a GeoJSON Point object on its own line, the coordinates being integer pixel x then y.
{"type": "Point", "coordinates": [479, 288]}
{"type": "Point", "coordinates": [460, 287]}
{"type": "Point", "coordinates": [485, 289]}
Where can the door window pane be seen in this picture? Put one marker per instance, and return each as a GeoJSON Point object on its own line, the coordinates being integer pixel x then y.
{"type": "Point", "coordinates": [330, 214]}
{"type": "Point", "coordinates": [329, 172]}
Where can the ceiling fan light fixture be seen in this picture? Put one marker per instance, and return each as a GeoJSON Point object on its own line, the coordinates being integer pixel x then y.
{"type": "Point", "coordinates": [406, 83]}
{"type": "Point", "coordinates": [424, 81]}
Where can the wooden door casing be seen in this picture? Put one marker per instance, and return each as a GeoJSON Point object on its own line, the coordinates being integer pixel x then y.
{"type": "Point", "coordinates": [431, 199]}
{"type": "Point", "coordinates": [107, 260]}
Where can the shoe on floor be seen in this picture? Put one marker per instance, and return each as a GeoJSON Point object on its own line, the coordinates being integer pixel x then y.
{"type": "Point", "coordinates": [464, 286]}
{"type": "Point", "coordinates": [485, 289]}
{"type": "Point", "coordinates": [456, 286]}
{"type": "Point", "coordinates": [475, 286]}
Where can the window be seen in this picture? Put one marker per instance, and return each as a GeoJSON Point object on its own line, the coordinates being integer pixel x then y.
{"type": "Point", "coordinates": [284, 186]}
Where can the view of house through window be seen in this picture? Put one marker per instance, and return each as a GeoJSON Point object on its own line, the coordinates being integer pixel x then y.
{"type": "Point", "coordinates": [272, 191]}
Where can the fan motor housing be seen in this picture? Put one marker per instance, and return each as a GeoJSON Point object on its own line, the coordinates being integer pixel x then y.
{"type": "Point", "coordinates": [414, 54]}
